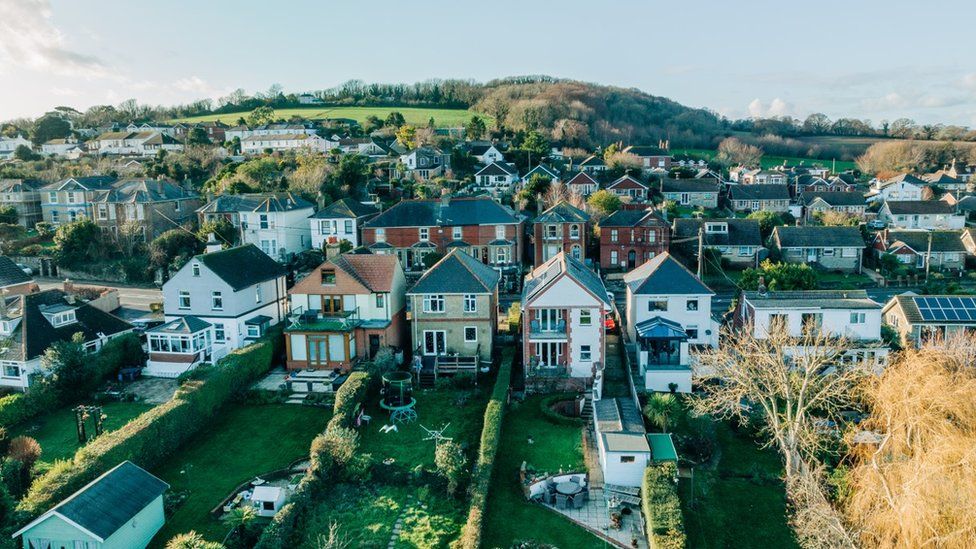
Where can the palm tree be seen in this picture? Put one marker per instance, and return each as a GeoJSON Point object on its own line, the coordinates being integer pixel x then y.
{"type": "Point", "coordinates": [240, 517]}
{"type": "Point", "coordinates": [661, 410]}
{"type": "Point", "coordinates": [191, 540]}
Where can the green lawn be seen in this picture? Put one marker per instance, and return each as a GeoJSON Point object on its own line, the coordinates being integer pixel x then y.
{"type": "Point", "coordinates": [58, 436]}
{"type": "Point", "coordinates": [843, 281]}
{"type": "Point", "coordinates": [509, 516]}
{"type": "Point", "coordinates": [768, 161]}
{"type": "Point", "coordinates": [741, 502]}
{"type": "Point", "coordinates": [242, 442]}
{"type": "Point", "coordinates": [417, 116]}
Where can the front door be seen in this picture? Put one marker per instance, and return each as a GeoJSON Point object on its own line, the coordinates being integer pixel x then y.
{"type": "Point", "coordinates": [631, 259]}
{"type": "Point", "coordinates": [435, 342]}
{"type": "Point", "coordinates": [811, 255]}
{"type": "Point", "coordinates": [374, 344]}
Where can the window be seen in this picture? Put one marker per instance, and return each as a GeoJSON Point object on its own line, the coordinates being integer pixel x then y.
{"type": "Point", "coordinates": [470, 303]}
{"type": "Point", "coordinates": [692, 305]}
{"type": "Point", "coordinates": [576, 251]}
{"type": "Point", "coordinates": [627, 459]}
{"type": "Point", "coordinates": [381, 235]}
{"type": "Point", "coordinates": [659, 305]}
{"type": "Point", "coordinates": [586, 317]}
{"type": "Point", "coordinates": [11, 370]}
{"type": "Point", "coordinates": [263, 221]}
{"type": "Point", "coordinates": [216, 301]}
{"type": "Point", "coordinates": [424, 234]}
{"type": "Point", "coordinates": [745, 250]}
{"type": "Point", "coordinates": [176, 206]}
{"type": "Point", "coordinates": [328, 277]}
{"type": "Point", "coordinates": [71, 198]}
{"type": "Point", "coordinates": [586, 355]}
{"type": "Point", "coordinates": [52, 198]}
{"type": "Point", "coordinates": [716, 227]}
{"type": "Point", "coordinates": [102, 211]}
{"type": "Point", "coordinates": [613, 235]}
{"type": "Point", "coordinates": [500, 232]}
{"type": "Point", "coordinates": [692, 332]}
{"type": "Point", "coordinates": [858, 318]}
{"type": "Point", "coordinates": [613, 257]}
{"type": "Point", "coordinates": [195, 269]}
{"type": "Point", "coordinates": [433, 303]}
{"type": "Point", "coordinates": [347, 225]}
{"type": "Point", "coordinates": [470, 334]}
{"type": "Point", "coordinates": [184, 299]}
{"type": "Point", "coordinates": [257, 294]}
{"type": "Point", "coordinates": [456, 233]}
{"type": "Point", "coordinates": [574, 231]}
{"type": "Point", "coordinates": [501, 255]}
{"type": "Point", "coordinates": [551, 231]}
{"type": "Point", "coordinates": [253, 331]}
{"type": "Point", "coordinates": [828, 251]}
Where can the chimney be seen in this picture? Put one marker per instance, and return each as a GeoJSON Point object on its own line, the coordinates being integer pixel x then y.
{"type": "Point", "coordinates": [212, 244]}
{"type": "Point", "coordinates": [761, 290]}
{"type": "Point", "coordinates": [3, 302]}
{"type": "Point", "coordinates": [68, 287]}
{"type": "Point", "coordinates": [331, 249]}
{"type": "Point", "coordinates": [445, 197]}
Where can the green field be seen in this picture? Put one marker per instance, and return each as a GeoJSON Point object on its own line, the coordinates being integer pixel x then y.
{"type": "Point", "coordinates": [417, 116]}
{"type": "Point", "coordinates": [58, 436]}
{"type": "Point", "coordinates": [769, 161]}
{"type": "Point", "coordinates": [242, 442]}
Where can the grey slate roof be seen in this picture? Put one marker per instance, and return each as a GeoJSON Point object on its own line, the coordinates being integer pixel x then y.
{"type": "Point", "coordinates": [759, 192]}
{"type": "Point", "coordinates": [346, 208]}
{"type": "Point", "coordinates": [835, 198]}
{"type": "Point", "coordinates": [109, 502]}
{"type": "Point", "coordinates": [432, 213]}
{"type": "Point", "coordinates": [810, 236]}
{"type": "Point", "coordinates": [617, 415]}
{"type": "Point", "coordinates": [697, 185]}
{"type": "Point", "coordinates": [498, 168]}
{"type": "Point", "coordinates": [256, 202]}
{"type": "Point", "coordinates": [563, 212]}
{"type": "Point", "coordinates": [143, 191]}
{"type": "Point", "coordinates": [664, 275]}
{"type": "Point", "coordinates": [631, 218]}
{"type": "Point", "coordinates": [919, 207]}
{"type": "Point", "coordinates": [812, 299]}
{"type": "Point", "coordinates": [918, 240]}
{"type": "Point", "coordinates": [11, 274]}
{"type": "Point", "coordinates": [540, 277]}
{"type": "Point", "coordinates": [94, 182]}
{"type": "Point", "coordinates": [457, 273]}
{"type": "Point", "coordinates": [742, 232]}
{"type": "Point", "coordinates": [242, 266]}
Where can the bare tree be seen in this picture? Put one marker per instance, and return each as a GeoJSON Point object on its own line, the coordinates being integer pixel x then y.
{"type": "Point", "coordinates": [558, 192]}
{"type": "Point", "coordinates": [731, 152]}
{"type": "Point", "coordinates": [916, 487]}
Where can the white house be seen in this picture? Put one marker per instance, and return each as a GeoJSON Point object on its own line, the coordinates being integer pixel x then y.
{"type": "Point", "coordinates": [259, 143]}
{"type": "Point", "coordinates": [134, 143]}
{"type": "Point", "coordinates": [563, 305]}
{"type": "Point", "coordinates": [241, 132]}
{"type": "Point", "coordinates": [850, 314]}
{"type": "Point", "coordinates": [582, 183]}
{"type": "Point", "coordinates": [67, 147]}
{"type": "Point", "coordinates": [277, 223]}
{"type": "Point", "coordinates": [921, 214]}
{"type": "Point", "coordinates": [669, 312]}
{"type": "Point", "coordinates": [30, 323]}
{"type": "Point", "coordinates": [485, 152]}
{"type": "Point", "coordinates": [497, 176]}
{"type": "Point", "coordinates": [9, 144]}
{"type": "Point", "coordinates": [621, 441]}
{"type": "Point", "coordinates": [239, 291]}
{"type": "Point", "coordinates": [901, 187]}
{"type": "Point", "coordinates": [424, 163]}
{"type": "Point", "coordinates": [340, 221]}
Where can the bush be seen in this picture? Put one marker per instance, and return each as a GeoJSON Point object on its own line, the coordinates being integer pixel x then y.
{"type": "Point", "coordinates": [554, 417]}
{"type": "Point", "coordinates": [662, 508]}
{"type": "Point", "coordinates": [155, 435]}
{"type": "Point", "coordinates": [481, 476]}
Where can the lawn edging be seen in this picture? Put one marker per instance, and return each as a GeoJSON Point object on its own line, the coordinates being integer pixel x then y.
{"type": "Point", "coordinates": [328, 453]}
{"type": "Point", "coordinates": [491, 434]}
{"type": "Point", "coordinates": [156, 434]}
{"type": "Point", "coordinates": [662, 508]}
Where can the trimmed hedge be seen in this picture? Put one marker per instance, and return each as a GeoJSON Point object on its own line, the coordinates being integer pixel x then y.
{"type": "Point", "coordinates": [326, 456]}
{"type": "Point", "coordinates": [662, 508]}
{"type": "Point", "coordinates": [555, 417]}
{"type": "Point", "coordinates": [155, 435]}
{"type": "Point", "coordinates": [491, 434]}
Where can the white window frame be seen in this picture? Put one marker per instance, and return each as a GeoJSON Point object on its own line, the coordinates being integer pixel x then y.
{"type": "Point", "coordinates": [430, 300]}
{"type": "Point", "coordinates": [465, 333]}
{"type": "Point", "coordinates": [586, 353]}
{"type": "Point", "coordinates": [470, 303]}
{"type": "Point", "coordinates": [184, 297]}
{"type": "Point", "coordinates": [216, 301]}
{"type": "Point", "coordinates": [424, 234]}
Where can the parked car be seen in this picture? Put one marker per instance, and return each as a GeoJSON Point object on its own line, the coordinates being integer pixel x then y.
{"type": "Point", "coordinates": [877, 224]}
{"type": "Point", "coordinates": [609, 322]}
{"type": "Point", "coordinates": [27, 270]}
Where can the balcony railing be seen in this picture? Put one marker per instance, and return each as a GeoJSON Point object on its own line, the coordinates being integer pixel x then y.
{"type": "Point", "coordinates": [323, 321]}
{"type": "Point", "coordinates": [549, 331]}
{"type": "Point", "coordinates": [539, 368]}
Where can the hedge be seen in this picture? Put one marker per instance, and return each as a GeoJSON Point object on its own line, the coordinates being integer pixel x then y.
{"type": "Point", "coordinates": [662, 508]}
{"type": "Point", "coordinates": [324, 464]}
{"type": "Point", "coordinates": [491, 434]}
{"type": "Point", "coordinates": [42, 398]}
{"type": "Point", "coordinates": [156, 434]}
{"type": "Point", "coordinates": [554, 417]}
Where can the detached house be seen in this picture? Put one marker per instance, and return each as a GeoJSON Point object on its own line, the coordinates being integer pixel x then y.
{"type": "Point", "coordinates": [839, 313]}
{"type": "Point", "coordinates": [583, 184]}
{"type": "Point", "coordinates": [739, 241]}
{"type": "Point", "coordinates": [32, 322]}
{"type": "Point", "coordinates": [593, 164]}
{"type": "Point", "coordinates": [154, 206]}
{"type": "Point", "coordinates": [341, 220]}
{"type": "Point", "coordinates": [695, 193]}
{"type": "Point", "coordinates": [548, 172]}
{"type": "Point", "coordinates": [850, 203]}
{"type": "Point", "coordinates": [807, 183]}
{"type": "Point", "coordinates": [238, 293]}
{"type": "Point", "coordinates": [901, 187]}
{"type": "Point", "coordinates": [485, 152]}
{"type": "Point", "coordinates": [24, 196]}
{"type": "Point", "coordinates": [921, 214]}
{"type": "Point", "coordinates": [497, 177]}
{"type": "Point", "coordinates": [831, 248]}
{"type": "Point", "coordinates": [756, 198]}
{"type": "Point", "coordinates": [629, 237]}
{"type": "Point", "coordinates": [70, 199]}
{"type": "Point", "coordinates": [669, 313]}
{"type": "Point", "coordinates": [480, 227]}
{"type": "Point", "coordinates": [454, 309]}
{"type": "Point", "coordinates": [9, 144]}
{"type": "Point", "coordinates": [423, 164]}
{"type": "Point", "coordinates": [630, 188]}
{"type": "Point", "coordinates": [652, 158]}
{"type": "Point", "coordinates": [346, 310]}
{"type": "Point", "coordinates": [561, 228]}
{"type": "Point", "coordinates": [930, 319]}
{"type": "Point", "coordinates": [563, 334]}
{"type": "Point", "coordinates": [943, 250]}
{"type": "Point", "coordinates": [277, 223]}
{"type": "Point", "coordinates": [762, 177]}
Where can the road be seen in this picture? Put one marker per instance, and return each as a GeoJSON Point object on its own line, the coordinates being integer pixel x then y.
{"type": "Point", "coordinates": [134, 301]}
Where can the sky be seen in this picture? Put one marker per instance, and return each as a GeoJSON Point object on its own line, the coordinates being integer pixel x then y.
{"type": "Point", "coordinates": [865, 59]}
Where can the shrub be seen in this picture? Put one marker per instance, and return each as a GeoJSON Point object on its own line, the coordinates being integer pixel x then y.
{"type": "Point", "coordinates": [25, 450]}
{"type": "Point", "coordinates": [484, 467]}
{"type": "Point", "coordinates": [554, 417]}
{"type": "Point", "coordinates": [661, 507]}
{"type": "Point", "coordinates": [450, 461]}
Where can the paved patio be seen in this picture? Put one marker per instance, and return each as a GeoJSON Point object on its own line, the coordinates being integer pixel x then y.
{"type": "Point", "coordinates": [153, 390]}
{"type": "Point", "coordinates": [273, 381]}
{"type": "Point", "coordinates": [595, 517]}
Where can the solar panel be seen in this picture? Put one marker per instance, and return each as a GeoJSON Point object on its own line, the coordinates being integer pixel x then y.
{"type": "Point", "coordinates": [951, 314]}
{"type": "Point", "coordinates": [947, 308]}
{"type": "Point", "coordinates": [944, 302]}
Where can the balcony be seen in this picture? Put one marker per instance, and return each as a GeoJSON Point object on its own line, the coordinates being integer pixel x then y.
{"type": "Point", "coordinates": [323, 321]}
{"type": "Point", "coordinates": [537, 368]}
{"type": "Point", "coordinates": [538, 332]}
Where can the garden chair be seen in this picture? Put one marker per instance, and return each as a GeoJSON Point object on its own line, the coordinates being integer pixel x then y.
{"type": "Point", "coordinates": [579, 500]}
{"type": "Point", "coordinates": [561, 501]}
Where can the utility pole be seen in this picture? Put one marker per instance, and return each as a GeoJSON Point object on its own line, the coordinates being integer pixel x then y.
{"type": "Point", "coordinates": [928, 257]}
{"type": "Point", "coordinates": [701, 246]}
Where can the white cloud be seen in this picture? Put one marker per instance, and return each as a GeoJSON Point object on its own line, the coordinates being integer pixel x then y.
{"type": "Point", "coordinates": [193, 84]}
{"type": "Point", "coordinates": [776, 107]}
{"type": "Point", "coordinates": [29, 39]}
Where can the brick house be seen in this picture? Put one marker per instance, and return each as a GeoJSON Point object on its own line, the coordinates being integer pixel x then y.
{"type": "Point", "coordinates": [583, 184]}
{"type": "Point", "coordinates": [652, 158]}
{"type": "Point", "coordinates": [629, 187]}
{"type": "Point", "coordinates": [561, 228]}
{"type": "Point", "coordinates": [629, 237]}
{"type": "Point", "coordinates": [156, 206]}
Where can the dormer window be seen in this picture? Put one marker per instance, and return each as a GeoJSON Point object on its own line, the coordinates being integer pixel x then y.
{"type": "Point", "coordinates": [716, 227]}
{"type": "Point", "coordinates": [195, 269]}
{"type": "Point", "coordinates": [62, 318]}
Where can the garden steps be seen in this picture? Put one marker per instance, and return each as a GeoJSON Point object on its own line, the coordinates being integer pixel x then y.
{"type": "Point", "coordinates": [296, 398]}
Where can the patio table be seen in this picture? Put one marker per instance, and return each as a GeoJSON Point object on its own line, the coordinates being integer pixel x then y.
{"type": "Point", "coordinates": [568, 488]}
